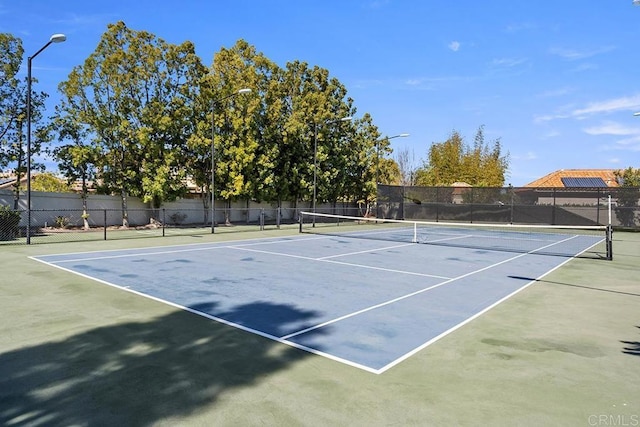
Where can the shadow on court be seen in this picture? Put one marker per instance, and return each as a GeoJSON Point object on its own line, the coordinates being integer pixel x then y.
{"type": "Point", "coordinates": [137, 373]}
{"type": "Point", "coordinates": [631, 347]}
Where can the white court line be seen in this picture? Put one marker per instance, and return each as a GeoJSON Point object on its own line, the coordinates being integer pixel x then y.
{"type": "Point", "coordinates": [469, 319]}
{"type": "Point", "coordinates": [373, 307]}
{"type": "Point", "coordinates": [350, 264]}
{"type": "Point", "coordinates": [284, 339]}
{"type": "Point", "coordinates": [210, 246]}
{"type": "Point", "coordinates": [446, 239]}
{"type": "Point", "coordinates": [366, 251]}
{"type": "Point", "coordinates": [218, 319]}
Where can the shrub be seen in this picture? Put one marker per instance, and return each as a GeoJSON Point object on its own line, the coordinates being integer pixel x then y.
{"type": "Point", "coordinates": [62, 221]}
{"type": "Point", "coordinates": [9, 220]}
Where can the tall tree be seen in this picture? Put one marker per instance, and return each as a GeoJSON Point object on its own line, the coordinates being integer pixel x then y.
{"type": "Point", "coordinates": [13, 142]}
{"type": "Point", "coordinates": [135, 94]}
{"type": "Point", "coordinates": [11, 52]}
{"type": "Point", "coordinates": [50, 183]}
{"type": "Point", "coordinates": [362, 153]}
{"type": "Point", "coordinates": [235, 137]}
{"type": "Point", "coordinates": [406, 161]}
{"type": "Point", "coordinates": [451, 161]}
{"type": "Point", "coordinates": [627, 196]}
{"type": "Point", "coordinates": [77, 159]}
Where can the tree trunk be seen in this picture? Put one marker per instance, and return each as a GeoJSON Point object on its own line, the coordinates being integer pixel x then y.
{"type": "Point", "coordinates": [85, 215]}
{"type": "Point", "coordinates": [125, 212]}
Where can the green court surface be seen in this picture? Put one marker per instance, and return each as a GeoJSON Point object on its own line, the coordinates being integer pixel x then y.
{"type": "Point", "coordinates": [565, 351]}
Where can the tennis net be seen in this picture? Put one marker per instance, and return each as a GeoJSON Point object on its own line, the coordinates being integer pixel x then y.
{"type": "Point", "coordinates": [559, 240]}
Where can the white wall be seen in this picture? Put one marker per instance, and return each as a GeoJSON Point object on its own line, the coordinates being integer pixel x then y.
{"type": "Point", "coordinates": [46, 207]}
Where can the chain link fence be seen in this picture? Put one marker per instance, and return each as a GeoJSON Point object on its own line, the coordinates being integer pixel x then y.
{"type": "Point", "coordinates": [60, 225]}
{"type": "Point", "coordinates": [513, 205]}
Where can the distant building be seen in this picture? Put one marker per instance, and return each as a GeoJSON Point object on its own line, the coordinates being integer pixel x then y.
{"type": "Point", "coordinates": [572, 178]}
{"type": "Point", "coordinates": [8, 180]}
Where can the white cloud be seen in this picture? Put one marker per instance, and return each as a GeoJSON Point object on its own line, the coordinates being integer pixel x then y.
{"type": "Point", "coordinates": [521, 26]}
{"type": "Point", "coordinates": [454, 46]}
{"type": "Point", "coordinates": [618, 104]}
{"type": "Point", "coordinates": [550, 117]}
{"type": "Point", "coordinates": [628, 103]}
{"type": "Point", "coordinates": [583, 67]}
{"type": "Point", "coordinates": [529, 155]}
{"type": "Point", "coordinates": [575, 54]}
{"type": "Point", "coordinates": [612, 128]}
{"type": "Point", "coordinates": [508, 62]}
{"type": "Point", "coordinates": [630, 136]}
{"type": "Point", "coordinates": [555, 93]}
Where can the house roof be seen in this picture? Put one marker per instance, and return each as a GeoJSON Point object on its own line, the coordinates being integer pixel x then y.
{"type": "Point", "coordinates": [560, 177]}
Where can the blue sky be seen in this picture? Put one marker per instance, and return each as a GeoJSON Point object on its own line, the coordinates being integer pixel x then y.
{"type": "Point", "coordinates": [557, 81]}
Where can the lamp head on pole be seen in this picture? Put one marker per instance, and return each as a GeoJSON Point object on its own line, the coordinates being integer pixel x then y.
{"type": "Point", "coordinates": [245, 90]}
{"type": "Point", "coordinates": [58, 38]}
{"type": "Point", "coordinates": [637, 114]}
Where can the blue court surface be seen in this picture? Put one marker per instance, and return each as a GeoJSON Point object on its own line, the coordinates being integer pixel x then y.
{"type": "Point", "coordinates": [367, 303]}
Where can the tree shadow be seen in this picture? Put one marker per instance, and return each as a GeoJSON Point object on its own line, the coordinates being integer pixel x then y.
{"type": "Point", "coordinates": [137, 373]}
{"type": "Point", "coordinates": [631, 347]}
{"type": "Point", "coordinates": [273, 319]}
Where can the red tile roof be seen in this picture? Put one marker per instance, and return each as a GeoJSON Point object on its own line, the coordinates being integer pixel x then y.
{"type": "Point", "coordinates": [554, 179]}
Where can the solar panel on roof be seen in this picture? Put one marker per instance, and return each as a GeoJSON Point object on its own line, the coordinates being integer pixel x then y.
{"type": "Point", "coordinates": [6, 180]}
{"type": "Point", "coordinates": [583, 182]}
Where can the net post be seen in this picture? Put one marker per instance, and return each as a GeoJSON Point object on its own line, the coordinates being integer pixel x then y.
{"type": "Point", "coordinates": [415, 233]}
{"type": "Point", "coordinates": [609, 242]}
{"type": "Point", "coordinates": [300, 223]}
{"type": "Point", "coordinates": [104, 211]}
{"type": "Point", "coordinates": [261, 219]}
{"type": "Point", "coordinates": [164, 220]}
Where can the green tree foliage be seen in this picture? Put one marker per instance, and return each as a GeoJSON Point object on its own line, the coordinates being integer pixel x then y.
{"type": "Point", "coordinates": [13, 114]}
{"type": "Point", "coordinates": [134, 94]}
{"type": "Point", "coordinates": [628, 194]}
{"type": "Point", "coordinates": [146, 114]}
{"type": "Point", "coordinates": [389, 172]}
{"type": "Point", "coordinates": [235, 138]}
{"type": "Point", "coordinates": [50, 183]}
{"type": "Point", "coordinates": [480, 165]}
{"type": "Point", "coordinates": [76, 159]}
{"type": "Point", "coordinates": [363, 154]}
{"type": "Point", "coordinates": [11, 52]}
{"type": "Point", "coordinates": [312, 104]}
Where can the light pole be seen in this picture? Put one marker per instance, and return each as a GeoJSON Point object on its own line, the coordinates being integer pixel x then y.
{"type": "Point", "coordinates": [378, 141]}
{"type": "Point", "coordinates": [213, 153]}
{"type": "Point", "coordinates": [315, 158]}
{"type": "Point", "coordinates": [56, 38]}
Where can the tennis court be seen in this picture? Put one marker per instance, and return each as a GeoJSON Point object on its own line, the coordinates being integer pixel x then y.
{"type": "Point", "coordinates": [366, 297]}
{"type": "Point", "coordinates": [564, 351]}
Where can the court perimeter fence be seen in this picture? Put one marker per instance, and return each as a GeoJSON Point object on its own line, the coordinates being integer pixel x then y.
{"type": "Point", "coordinates": [59, 217]}
{"type": "Point", "coordinates": [576, 206]}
